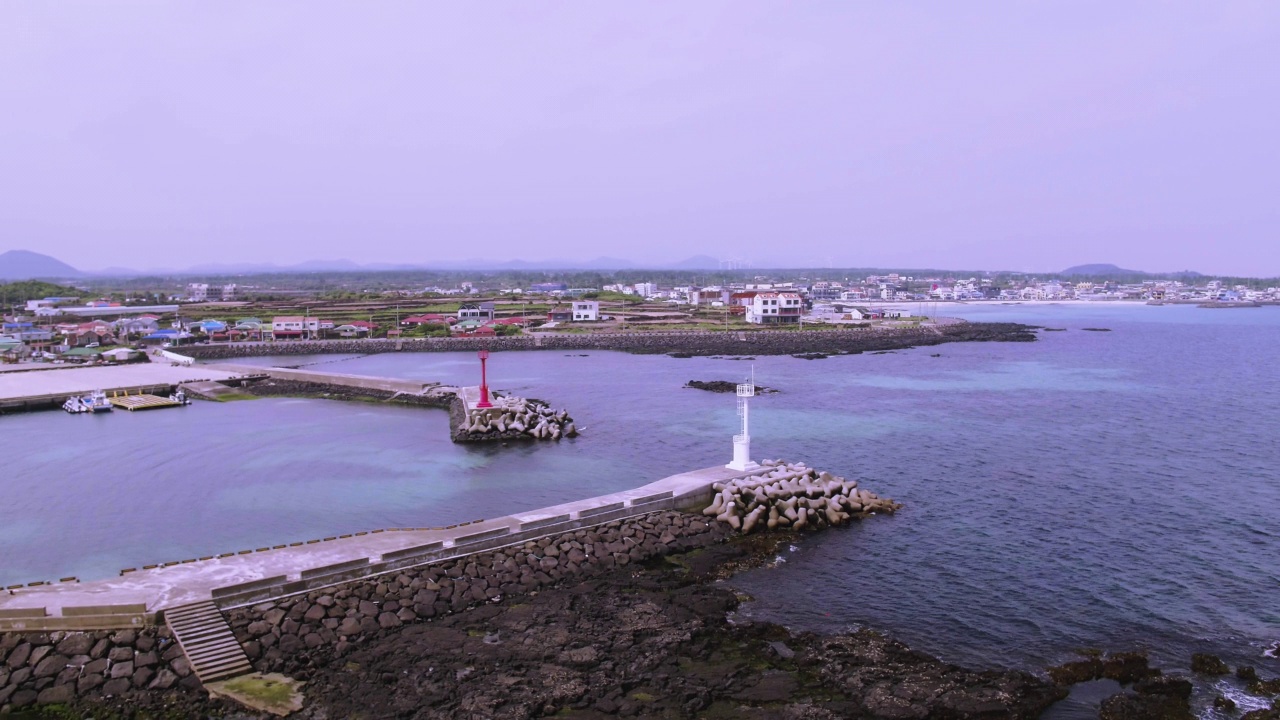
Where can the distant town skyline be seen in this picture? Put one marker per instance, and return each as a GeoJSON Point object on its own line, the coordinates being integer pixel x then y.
{"type": "Point", "coordinates": [1003, 137]}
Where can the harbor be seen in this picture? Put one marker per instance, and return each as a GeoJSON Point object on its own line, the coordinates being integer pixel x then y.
{"type": "Point", "coordinates": [40, 389]}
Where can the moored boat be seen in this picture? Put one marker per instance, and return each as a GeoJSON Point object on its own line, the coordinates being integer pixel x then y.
{"type": "Point", "coordinates": [97, 402]}
{"type": "Point", "coordinates": [75, 405]}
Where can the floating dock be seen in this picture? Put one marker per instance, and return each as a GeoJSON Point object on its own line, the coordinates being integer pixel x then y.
{"type": "Point", "coordinates": [142, 402]}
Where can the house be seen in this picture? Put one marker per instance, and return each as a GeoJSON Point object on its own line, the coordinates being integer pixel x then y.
{"type": "Point", "coordinates": [429, 319]}
{"type": "Point", "coordinates": [775, 308]}
{"type": "Point", "coordinates": [560, 314]}
{"type": "Point", "coordinates": [12, 352]}
{"type": "Point", "coordinates": [210, 327]}
{"type": "Point", "coordinates": [548, 287]}
{"type": "Point", "coordinates": [351, 330]}
{"type": "Point", "coordinates": [121, 355]}
{"type": "Point", "coordinates": [586, 310]}
{"type": "Point", "coordinates": [85, 338]}
{"type": "Point", "coordinates": [167, 336]}
{"type": "Point", "coordinates": [470, 327]}
{"type": "Point", "coordinates": [81, 354]}
{"type": "Point", "coordinates": [293, 327]}
{"type": "Point", "coordinates": [476, 311]}
{"type": "Point", "coordinates": [143, 325]}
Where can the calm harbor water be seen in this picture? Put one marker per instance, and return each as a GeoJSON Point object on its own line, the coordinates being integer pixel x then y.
{"type": "Point", "coordinates": [1094, 489]}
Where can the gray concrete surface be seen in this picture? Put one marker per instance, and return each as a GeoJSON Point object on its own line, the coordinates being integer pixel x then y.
{"type": "Point", "coordinates": [71, 380]}
{"type": "Point", "coordinates": [186, 583]}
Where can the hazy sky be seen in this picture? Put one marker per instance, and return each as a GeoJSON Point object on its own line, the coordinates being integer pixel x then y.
{"type": "Point", "coordinates": [1016, 135]}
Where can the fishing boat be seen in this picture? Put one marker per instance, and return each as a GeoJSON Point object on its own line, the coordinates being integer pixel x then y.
{"type": "Point", "coordinates": [97, 402]}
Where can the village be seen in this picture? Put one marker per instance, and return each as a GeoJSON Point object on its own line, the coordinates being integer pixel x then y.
{"type": "Point", "coordinates": [81, 328]}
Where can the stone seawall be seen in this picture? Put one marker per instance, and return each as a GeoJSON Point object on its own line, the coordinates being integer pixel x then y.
{"type": "Point", "coordinates": [59, 667]}
{"type": "Point", "coordinates": [147, 668]}
{"type": "Point", "coordinates": [750, 342]}
{"type": "Point", "coordinates": [293, 634]}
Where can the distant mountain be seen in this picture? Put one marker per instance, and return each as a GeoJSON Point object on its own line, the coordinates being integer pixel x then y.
{"type": "Point", "coordinates": [26, 265]}
{"type": "Point", "coordinates": [1100, 269]}
{"type": "Point", "coordinates": [697, 262]}
{"type": "Point", "coordinates": [1107, 269]}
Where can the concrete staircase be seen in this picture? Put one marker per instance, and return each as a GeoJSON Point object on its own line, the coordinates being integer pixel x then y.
{"type": "Point", "coordinates": [206, 639]}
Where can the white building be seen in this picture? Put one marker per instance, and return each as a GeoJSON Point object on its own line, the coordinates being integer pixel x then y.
{"type": "Point", "coordinates": [295, 326]}
{"type": "Point", "coordinates": [586, 310]}
{"type": "Point", "coordinates": [770, 308]}
{"type": "Point", "coordinates": [197, 292]}
{"type": "Point", "coordinates": [229, 292]}
{"type": "Point", "coordinates": [646, 289]}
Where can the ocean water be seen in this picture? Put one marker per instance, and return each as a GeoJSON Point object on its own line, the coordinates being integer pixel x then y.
{"type": "Point", "coordinates": [1113, 490]}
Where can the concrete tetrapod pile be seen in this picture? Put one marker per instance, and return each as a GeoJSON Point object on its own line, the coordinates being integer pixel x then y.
{"type": "Point", "coordinates": [794, 496]}
{"type": "Point", "coordinates": [513, 417]}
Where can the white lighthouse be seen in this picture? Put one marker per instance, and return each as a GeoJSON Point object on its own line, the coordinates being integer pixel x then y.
{"type": "Point", "coordinates": [742, 443]}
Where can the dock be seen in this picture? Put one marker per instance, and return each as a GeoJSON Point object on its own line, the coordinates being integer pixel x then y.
{"type": "Point", "coordinates": [142, 402]}
{"type": "Point", "coordinates": [49, 388]}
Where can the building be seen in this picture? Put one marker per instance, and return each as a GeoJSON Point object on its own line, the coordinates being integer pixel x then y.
{"type": "Point", "coordinates": [586, 310]}
{"type": "Point", "coordinates": [548, 287]}
{"type": "Point", "coordinates": [646, 289]}
{"type": "Point", "coordinates": [197, 292]}
{"type": "Point", "coordinates": [229, 292]}
{"type": "Point", "coordinates": [476, 311]}
{"type": "Point", "coordinates": [428, 319]}
{"type": "Point", "coordinates": [294, 327]}
{"type": "Point", "coordinates": [775, 308]}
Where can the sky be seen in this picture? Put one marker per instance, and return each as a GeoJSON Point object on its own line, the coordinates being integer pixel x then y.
{"type": "Point", "coordinates": [997, 135]}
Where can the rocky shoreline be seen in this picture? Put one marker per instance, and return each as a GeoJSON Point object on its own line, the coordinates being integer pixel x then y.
{"type": "Point", "coordinates": [626, 619]}
{"type": "Point", "coordinates": [752, 342]}
{"type": "Point", "coordinates": [653, 637]}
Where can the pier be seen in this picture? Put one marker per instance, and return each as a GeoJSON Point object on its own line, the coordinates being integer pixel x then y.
{"type": "Point", "coordinates": [49, 388]}
{"type": "Point", "coordinates": [140, 597]}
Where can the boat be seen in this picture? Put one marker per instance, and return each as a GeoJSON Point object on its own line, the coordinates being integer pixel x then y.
{"type": "Point", "coordinates": [75, 405]}
{"type": "Point", "coordinates": [97, 402]}
{"type": "Point", "coordinates": [179, 396]}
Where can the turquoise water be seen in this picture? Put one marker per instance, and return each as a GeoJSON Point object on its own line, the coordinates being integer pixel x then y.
{"type": "Point", "coordinates": [1093, 489]}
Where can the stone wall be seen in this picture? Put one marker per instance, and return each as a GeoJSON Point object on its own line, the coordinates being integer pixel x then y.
{"type": "Point", "coordinates": [291, 634]}
{"type": "Point", "coordinates": [45, 668]}
{"type": "Point", "coordinates": [288, 634]}
{"type": "Point", "coordinates": [748, 342]}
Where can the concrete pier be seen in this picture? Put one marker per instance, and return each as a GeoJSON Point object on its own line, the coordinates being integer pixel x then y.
{"type": "Point", "coordinates": [43, 388]}
{"type": "Point", "coordinates": [246, 577]}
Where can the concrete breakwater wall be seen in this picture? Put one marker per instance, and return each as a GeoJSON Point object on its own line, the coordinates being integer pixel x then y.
{"type": "Point", "coordinates": [288, 614]}
{"type": "Point", "coordinates": [747, 342]}
{"type": "Point", "coordinates": [288, 635]}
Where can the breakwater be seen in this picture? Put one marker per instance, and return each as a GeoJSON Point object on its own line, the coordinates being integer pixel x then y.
{"type": "Point", "coordinates": [792, 496]}
{"type": "Point", "coordinates": [510, 418]}
{"type": "Point", "coordinates": [289, 612]}
{"type": "Point", "coordinates": [292, 634]}
{"type": "Point", "coordinates": [747, 342]}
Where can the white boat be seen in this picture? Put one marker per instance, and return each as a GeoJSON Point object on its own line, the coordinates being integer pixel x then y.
{"type": "Point", "coordinates": [75, 405]}
{"type": "Point", "coordinates": [179, 396]}
{"type": "Point", "coordinates": [97, 402]}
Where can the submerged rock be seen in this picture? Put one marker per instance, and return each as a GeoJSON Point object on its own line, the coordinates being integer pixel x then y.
{"type": "Point", "coordinates": [1207, 664]}
{"type": "Point", "coordinates": [724, 386]}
